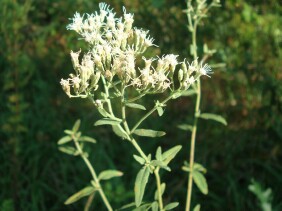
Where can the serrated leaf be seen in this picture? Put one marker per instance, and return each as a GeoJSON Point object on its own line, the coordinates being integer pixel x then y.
{"type": "Point", "coordinates": [185, 127]}
{"type": "Point", "coordinates": [159, 154]}
{"type": "Point", "coordinates": [200, 181]}
{"type": "Point", "coordinates": [135, 105]}
{"type": "Point", "coordinates": [80, 194]}
{"type": "Point", "coordinates": [197, 207]}
{"type": "Point", "coordinates": [155, 206]}
{"type": "Point", "coordinates": [107, 121]}
{"type": "Point", "coordinates": [170, 154]}
{"type": "Point", "coordinates": [148, 133]}
{"type": "Point", "coordinates": [139, 159]}
{"type": "Point", "coordinates": [108, 174]}
{"type": "Point", "coordinates": [76, 126]}
{"type": "Point", "coordinates": [64, 140]}
{"type": "Point", "coordinates": [160, 111]}
{"type": "Point", "coordinates": [214, 117]}
{"type": "Point", "coordinates": [119, 131]}
{"type": "Point", "coordinates": [171, 206]}
{"type": "Point", "coordinates": [87, 139]}
{"type": "Point", "coordinates": [68, 150]}
{"type": "Point", "coordinates": [140, 185]}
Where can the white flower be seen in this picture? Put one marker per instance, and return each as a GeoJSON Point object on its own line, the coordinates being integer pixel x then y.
{"type": "Point", "coordinates": [205, 70]}
{"type": "Point", "coordinates": [77, 23]}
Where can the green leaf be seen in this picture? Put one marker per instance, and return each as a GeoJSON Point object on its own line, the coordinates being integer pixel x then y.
{"type": "Point", "coordinates": [159, 154]}
{"type": "Point", "coordinates": [161, 164]}
{"type": "Point", "coordinates": [69, 132]}
{"type": "Point", "coordinates": [103, 112]}
{"type": "Point", "coordinates": [148, 133]}
{"type": "Point", "coordinates": [185, 168]}
{"type": "Point", "coordinates": [139, 159]}
{"type": "Point", "coordinates": [155, 206]}
{"type": "Point", "coordinates": [170, 154]}
{"type": "Point", "coordinates": [68, 150]}
{"type": "Point", "coordinates": [119, 131]}
{"type": "Point", "coordinates": [214, 117]}
{"type": "Point", "coordinates": [143, 207]}
{"type": "Point", "coordinates": [171, 206]}
{"type": "Point", "coordinates": [87, 139]}
{"type": "Point", "coordinates": [199, 167]}
{"type": "Point", "coordinates": [160, 111]}
{"type": "Point", "coordinates": [108, 174]}
{"type": "Point", "coordinates": [176, 95]}
{"type": "Point", "coordinates": [200, 181]}
{"type": "Point", "coordinates": [140, 184]}
{"type": "Point", "coordinates": [185, 127]}
{"type": "Point", "coordinates": [80, 194]}
{"type": "Point", "coordinates": [107, 121]}
{"type": "Point", "coordinates": [163, 185]}
{"type": "Point", "coordinates": [134, 105]}
{"type": "Point", "coordinates": [76, 126]}
{"type": "Point", "coordinates": [64, 140]}
{"type": "Point", "coordinates": [132, 204]}
{"type": "Point", "coordinates": [197, 207]}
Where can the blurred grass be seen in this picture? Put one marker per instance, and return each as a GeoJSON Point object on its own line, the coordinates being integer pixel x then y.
{"type": "Point", "coordinates": [34, 110]}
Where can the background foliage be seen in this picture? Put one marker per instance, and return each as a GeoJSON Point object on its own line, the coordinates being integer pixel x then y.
{"type": "Point", "coordinates": [34, 110]}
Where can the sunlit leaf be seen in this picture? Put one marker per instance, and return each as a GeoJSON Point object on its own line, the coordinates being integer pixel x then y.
{"type": "Point", "coordinates": [185, 127]}
{"type": "Point", "coordinates": [68, 150]}
{"type": "Point", "coordinates": [135, 105]}
{"type": "Point", "coordinates": [76, 126]}
{"type": "Point", "coordinates": [80, 194]}
{"type": "Point", "coordinates": [148, 133]}
{"type": "Point", "coordinates": [155, 206]}
{"type": "Point", "coordinates": [108, 174]}
{"type": "Point", "coordinates": [197, 207]}
{"type": "Point", "coordinates": [160, 111]}
{"type": "Point", "coordinates": [214, 117]}
{"type": "Point", "coordinates": [200, 181]}
{"type": "Point", "coordinates": [171, 206]}
{"type": "Point", "coordinates": [119, 131]}
{"type": "Point", "coordinates": [87, 139]}
{"type": "Point", "coordinates": [64, 140]}
{"type": "Point", "coordinates": [159, 154]}
{"type": "Point", "coordinates": [163, 185]}
{"type": "Point", "coordinates": [140, 185]}
{"type": "Point", "coordinates": [170, 154]}
{"type": "Point", "coordinates": [107, 121]}
{"type": "Point", "coordinates": [139, 159]}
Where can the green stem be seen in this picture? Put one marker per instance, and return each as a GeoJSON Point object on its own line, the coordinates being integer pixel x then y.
{"type": "Point", "coordinates": [193, 26]}
{"type": "Point", "coordinates": [93, 173]}
{"type": "Point", "coordinates": [150, 112]}
{"type": "Point", "coordinates": [159, 189]}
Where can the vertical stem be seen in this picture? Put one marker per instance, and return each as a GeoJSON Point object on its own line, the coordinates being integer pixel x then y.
{"type": "Point", "coordinates": [193, 27]}
{"type": "Point", "coordinates": [156, 172]}
{"type": "Point", "coordinates": [93, 173]}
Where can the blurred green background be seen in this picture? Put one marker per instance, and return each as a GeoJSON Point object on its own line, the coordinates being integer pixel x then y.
{"type": "Point", "coordinates": [34, 56]}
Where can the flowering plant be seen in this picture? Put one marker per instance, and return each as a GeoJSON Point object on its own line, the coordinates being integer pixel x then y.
{"type": "Point", "coordinates": [108, 71]}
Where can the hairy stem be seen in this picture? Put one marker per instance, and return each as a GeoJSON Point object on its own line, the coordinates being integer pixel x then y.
{"type": "Point", "coordinates": [93, 173]}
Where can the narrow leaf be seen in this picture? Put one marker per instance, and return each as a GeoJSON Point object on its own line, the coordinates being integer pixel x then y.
{"type": "Point", "coordinates": [107, 121]}
{"type": "Point", "coordinates": [108, 174]}
{"type": "Point", "coordinates": [82, 193]}
{"type": "Point", "coordinates": [69, 132]}
{"type": "Point", "coordinates": [76, 126]}
{"type": "Point", "coordinates": [143, 207]}
{"type": "Point", "coordinates": [163, 185]}
{"type": "Point", "coordinates": [148, 133]}
{"type": "Point", "coordinates": [139, 159]}
{"type": "Point", "coordinates": [197, 207]}
{"type": "Point", "coordinates": [64, 140]}
{"type": "Point", "coordinates": [135, 105]}
{"type": "Point", "coordinates": [119, 131]}
{"type": "Point", "coordinates": [68, 150]}
{"type": "Point", "coordinates": [200, 181]}
{"type": "Point", "coordinates": [171, 206]}
{"type": "Point", "coordinates": [103, 112]}
{"type": "Point", "coordinates": [140, 185]}
{"type": "Point", "coordinates": [214, 117]}
{"type": "Point", "coordinates": [170, 154]}
{"type": "Point", "coordinates": [185, 168]}
{"type": "Point", "coordinates": [199, 167]}
{"type": "Point", "coordinates": [185, 127]}
{"type": "Point", "coordinates": [161, 164]}
{"type": "Point", "coordinates": [132, 204]}
{"type": "Point", "coordinates": [87, 139]}
{"type": "Point", "coordinates": [159, 154]}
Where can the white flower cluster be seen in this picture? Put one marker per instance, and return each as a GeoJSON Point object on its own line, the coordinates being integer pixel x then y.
{"type": "Point", "coordinates": [114, 46]}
